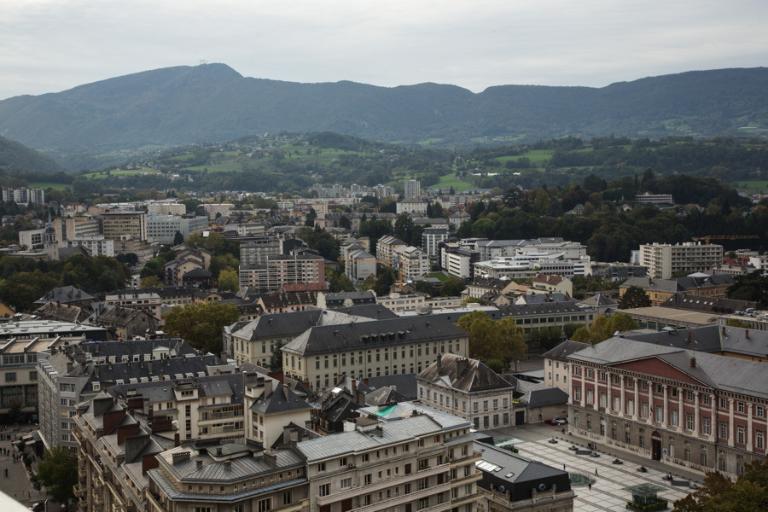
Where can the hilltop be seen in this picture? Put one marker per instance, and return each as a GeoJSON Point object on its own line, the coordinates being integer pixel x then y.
{"type": "Point", "coordinates": [214, 103]}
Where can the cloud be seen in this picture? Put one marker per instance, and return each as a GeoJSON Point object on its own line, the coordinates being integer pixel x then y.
{"type": "Point", "coordinates": [50, 45]}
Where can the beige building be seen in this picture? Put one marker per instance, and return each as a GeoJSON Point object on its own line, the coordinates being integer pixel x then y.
{"type": "Point", "coordinates": [269, 407]}
{"type": "Point", "coordinates": [122, 225]}
{"type": "Point", "coordinates": [322, 355]}
{"type": "Point", "coordinates": [288, 273]}
{"type": "Point", "coordinates": [422, 460]}
{"type": "Point", "coordinates": [556, 365]}
{"type": "Point", "coordinates": [468, 388]}
{"type": "Point", "coordinates": [665, 261]}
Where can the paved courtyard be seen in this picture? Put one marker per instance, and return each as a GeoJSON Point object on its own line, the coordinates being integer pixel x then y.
{"type": "Point", "coordinates": [610, 480]}
{"type": "Point", "coordinates": [16, 484]}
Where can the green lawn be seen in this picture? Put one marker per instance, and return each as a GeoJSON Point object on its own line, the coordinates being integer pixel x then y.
{"type": "Point", "coordinates": [101, 175]}
{"type": "Point", "coordinates": [536, 156]}
{"type": "Point", "coordinates": [442, 276]}
{"type": "Point", "coordinates": [49, 184]}
{"type": "Point", "coordinates": [752, 185]}
{"type": "Point", "coordinates": [223, 166]}
{"type": "Point", "coordinates": [451, 180]}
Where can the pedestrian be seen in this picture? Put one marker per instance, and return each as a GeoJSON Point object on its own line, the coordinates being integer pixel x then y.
{"type": "Point", "coordinates": [589, 485]}
{"type": "Point", "coordinates": [563, 466]}
{"type": "Point", "coordinates": [6, 472]}
{"type": "Point", "coordinates": [595, 471]}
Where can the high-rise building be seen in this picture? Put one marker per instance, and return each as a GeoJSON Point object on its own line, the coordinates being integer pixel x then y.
{"type": "Point", "coordinates": [285, 272]}
{"type": "Point", "coordinates": [254, 250]}
{"type": "Point", "coordinates": [412, 189]}
{"type": "Point", "coordinates": [123, 225]}
{"type": "Point", "coordinates": [665, 261]}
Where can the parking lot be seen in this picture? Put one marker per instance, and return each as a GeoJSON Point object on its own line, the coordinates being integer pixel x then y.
{"type": "Point", "coordinates": [608, 492]}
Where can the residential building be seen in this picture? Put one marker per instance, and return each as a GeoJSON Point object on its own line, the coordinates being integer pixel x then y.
{"type": "Point", "coordinates": [163, 208]}
{"type": "Point", "coordinates": [154, 300]}
{"type": "Point", "coordinates": [257, 341]}
{"type": "Point", "coordinates": [617, 271]}
{"type": "Point", "coordinates": [553, 284]}
{"type": "Point", "coordinates": [95, 245]}
{"type": "Point", "coordinates": [286, 302]}
{"type": "Point", "coordinates": [660, 291]}
{"type": "Point", "coordinates": [468, 388]}
{"type": "Point", "coordinates": [527, 265]}
{"type": "Point", "coordinates": [658, 200]}
{"type": "Point", "coordinates": [72, 374]}
{"type": "Point", "coordinates": [359, 265]}
{"type": "Point", "coordinates": [128, 323]}
{"type": "Point", "coordinates": [459, 262]}
{"type": "Point", "coordinates": [322, 355]}
{"type": "Point", "coordinates": [80, 226]}
{"type": "Point", "coordinates": [335, 300]}
{"type": "Point", "coordinates": [410, 262]}
{"type": "Point", "coordinates": [412, 189]}
{"type": "Point", "coordinates": [216, 210]}
{"type": "Point", "coordinates": [431, 238]}
{"type": "Point", "coordinates": [162, 229]}
{"type": "Point", "coordinates": [547, 315]}
{"type": "Point", "coordinates": [417, 208]}
{"type": "Point", "coordinates": [122, 225]}
{"type": "Point", "coordinates": [511, 483]}
{"type": "Point", "coordinates": [304, 272]}
{"type": "Point", "coordinates": [256, 250]}
{"type": "Point", "coordinates": [269, 408]}
{"type": "Point", "coordinates": [385, 250]}
{"type": "Point", "coordinates": [665, 261]}
{"type": "Point", "coordinates": [114, 453]}
{"type": "Point", "coordinates": [556, 366]}
{"type": "Point", "coordinates": [701, 411]}
{"type": "Point", "coordinates": [402, 302]}
{"type": "Point", "coordinates": [227, 477]}
{"type": "Point", "coordinates": [423, 461]}
{"type": "Point", "coordinates": [32, 239]}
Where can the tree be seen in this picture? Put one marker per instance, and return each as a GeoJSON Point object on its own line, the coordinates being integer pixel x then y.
{"type": "Point", "coordinates": [228, 280]}
{"type": "Point", "coordinates": [201, 324]}
{"type": "Point", "coordinates": [385, 278]}
{"type": "Point", "coordinates": [58, 473]}
{"type": "Point", "coordinates": [339, 282]}
{"type": "Point", "coordinates": [344, 222]}
{"type": "Point", "coordinates": [178, 238]}
{"type": "Point", "coordinates": [634, 297]}
{"type": "Point", "coordinates": [753, 287]}
{"type": "Point", "coordinates": [310, 218]}
{"type": "Point", "coordinates": [495, 342]}
{"type": "Point", "coordinates": [603, 327]}
{"type": "Point", "coordinates": [151, 282]}
{"type": "Point", "coordinates": [720, 494]}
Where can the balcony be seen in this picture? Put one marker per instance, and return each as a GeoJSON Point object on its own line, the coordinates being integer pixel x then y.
{"type": "Point", "coordinates": [430, 491]}
{"type": "Point", "coordinates": [382, 484]}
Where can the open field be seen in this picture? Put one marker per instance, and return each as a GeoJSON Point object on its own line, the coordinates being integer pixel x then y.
{"type": "Point", "coordinates": [536, 156]}
{"type": "Point", "coordinates": [752, 186]}
{"type": "Point", "coordinates": [451, 180]}
{"type": "Point", "coordinates": [101, 175]}
{"type": "Point", "coordinates": [49, 184]}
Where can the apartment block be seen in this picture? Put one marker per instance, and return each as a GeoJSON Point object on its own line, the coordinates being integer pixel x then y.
{"type": "Point", "coordinates": [665, 261]}
{"type": "Point", "coordinates": [123, 225]}
{"type": "Point", "coordinates": [322, 355]}
{"type": "Point", "coordinates": [304, 272]}
{"type": "Point", "coordinates": [424, 461]}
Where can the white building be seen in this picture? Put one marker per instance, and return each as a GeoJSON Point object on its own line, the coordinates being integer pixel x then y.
{"type": "Point", "coordinates": [166, 209]}
{"type": "Point", "coordinates": [412, 189]}
{"type": "Point", "coordinates": [410, 262]}
{"type": "Point", "coordinates": [665, 261]}
{"type": "Point", "coordinates": [431, 238]}
{"type": "Point", "coordinates": [529, 264]}
{"type": "Point", "coordinates": [417, 208]}
{"type": "Point", "coordinates": [95, 245]}
{"type": "Point", "coordinates": [359, 265]}
{"type": "Point", "coordinates": [32, 239]}
{"type": "Point", "coordinates": [163, 228]}
{"type": "Point", "coordinates": [458, 262]}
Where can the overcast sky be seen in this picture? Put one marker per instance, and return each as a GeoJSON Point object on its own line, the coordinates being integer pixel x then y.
{"type": "Point", "coordinates": [51, 45]}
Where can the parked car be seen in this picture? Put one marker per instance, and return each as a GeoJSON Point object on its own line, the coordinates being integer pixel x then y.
{"type": "Point", "coordinates": [559, 420]}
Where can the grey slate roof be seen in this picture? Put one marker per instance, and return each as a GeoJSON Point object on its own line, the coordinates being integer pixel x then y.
{"type": "Point", "coordinates": [546, 397]}
{"type": "Point", "coordinates": [65, 295]}
{"type": "Point", "coordinates": [282, 399]}
{"type": "Point", "coordinates": [705, 339]}
{"type": "Point", "coordinates": [375, 311]}
{"type": "Point", "coordinates": [561, 351]}
{"type": "Point", "coordinates": [404, 382]}
{"type": "Point", "coordinates": [515, 468]}
{"type": "Point", "coordinates": [391, 432]}
{"type": "Point", "coordinates": [374, 333]}
{"type": "Point", "coordinates": [132, 347]}
{"type": "Point", "coordinates": [215, 385]}
{"type": "Point", "coordinates": [720, 372]}
{"type": "Point", "coordinates": [540, 309]}
{"type": "Point", "coordinates": [462, 373]}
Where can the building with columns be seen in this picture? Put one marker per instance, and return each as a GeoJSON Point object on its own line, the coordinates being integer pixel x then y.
{"type": "Point", "coordinates": [698, 410]}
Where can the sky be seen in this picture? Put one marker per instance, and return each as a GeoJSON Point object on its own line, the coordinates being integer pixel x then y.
{"type": "Point", "coordinates": [52, 45]}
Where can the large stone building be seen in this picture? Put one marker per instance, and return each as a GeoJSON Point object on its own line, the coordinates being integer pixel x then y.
{"type": "Point", "coordinates": [256, 341]}
{"type": "Point", "coordinates": [665, 261]}
{"type": "Point", "coordinates": [121, 225]}
{"type": "Point", "coordinates": [660, 291]}
{"type": "Point", "coordinates": [468, 388]}
{"type": "Point", "coordinates": [698, 410]}
{"type": "Point", "coordinates": [322, 355]}
{"type": "Point", "coordinates": [304, 272]}
{"type": "Point", "coordinates": [422, 461]}
{"type": "Point", "coordinates": [255, 250]}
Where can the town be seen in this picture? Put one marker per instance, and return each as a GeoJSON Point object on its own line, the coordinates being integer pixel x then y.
{"type": "Point", "coordinates": [355, 349]}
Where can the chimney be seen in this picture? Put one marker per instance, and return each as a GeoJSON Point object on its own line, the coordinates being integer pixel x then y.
{"type": "Point", "coordinates": [176, 439]}
{"type": "Point", "coordinates": [693, 362]}
{"type": "Point", "coordinates": [199, 464]}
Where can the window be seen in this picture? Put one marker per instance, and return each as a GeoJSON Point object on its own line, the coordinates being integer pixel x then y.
{"type": "Point", "coordinates": [287, 498]}
{"type": "Point", "coordinates": [659, 414]}
{"type": "Point", "coordinates": [740, 435]}
{"type": "Point", "coordinates": [321, 466]}
{"type": "Point", "coordinates": [673, 419]}
{"type": "Point", "coordinates": [760, 411]}
{"type": "Point", "coordinates": [422, 503]}
{"type": "Point", "coordinates": [759, 440]}
{"type": "Point", "coordinates": [740, 407]}
{"type": "Point", "coordinates": [423, 464]}
{"type": "Point", "coordinates": [202, 509]}
{"type": "Point", "coordinates": [10, 377]}
{"type": "Point", "coordinates": [706, 427]}
{"type": "Point", "coordinates": [723, 431]}
{"type": "Point", "coordinates": [265, 505]}
{"type": "Point", "coordinates": [367, 479]}
{"type": "Point", "coordinates": [323, 490]}
{"type": "Point", "coordinates": [342, 461]}
{"type": "Point", "coordinates": [689, 421]}
{"type": "Point", "coordinates": [346, 483]}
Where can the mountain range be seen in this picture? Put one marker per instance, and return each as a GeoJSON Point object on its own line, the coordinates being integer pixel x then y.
{"type": "Point", "coordinates": [16, 158]}
{"type": "Point", "coordinates": [213, 102]}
